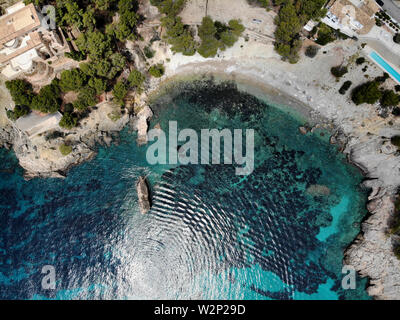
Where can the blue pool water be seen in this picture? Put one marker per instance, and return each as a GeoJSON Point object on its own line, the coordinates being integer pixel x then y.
{"type": "Point", "coordinates": [210, 233]}
{"type": "Point", "coordinates": [389, 69]}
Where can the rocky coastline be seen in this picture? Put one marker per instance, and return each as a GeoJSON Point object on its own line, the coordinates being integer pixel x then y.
{"type": "Point", "coordinates": [307, 88]}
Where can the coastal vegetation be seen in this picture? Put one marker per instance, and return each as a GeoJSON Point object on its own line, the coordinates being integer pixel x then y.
{"type": "Point", "coordinates": [396, 142]}
{"type": "Point", "coordinates": [46, 101]}
{"type": "Point", "coordinates": [157, 70]}
{"type": "Point", "coordinates": [178, 35]}
{"type": "Point", "coordinates": [311, 51]}
{"type": "Point", "coordinates": [345, 87]}
{"type": "Point", "coordinates": [65, 149]}
{"type": "Point", "coordinates": [339, 71]}
{"type": "Point", "coordinates": [292, 16]}
{"type": "Point", "coordinates": [214, 35]}
{"type": "Point", "coordinates": [371, 92]}
{"type": "Point", "coordinates": [98, 39]}
{"type": "Point", "coordinates": [120, 91]}
{"type": "Point", "coordinates": [368, 92]}
{"type": "Point", "coordinates": [360, 60]}
{"type": "Point", "coordinates": [19, 111]}
{"type": "Point", "coordinates": [325, 35]}
{"type": "Point", "coordinates": [69, 120]}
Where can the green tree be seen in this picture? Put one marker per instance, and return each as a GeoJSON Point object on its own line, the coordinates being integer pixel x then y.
{"type": "Point", "coordinates": [19, 111]}
{"type": "Point", "coordinates": [68, 120]}
{"type": "Point", "coordinates": [98, 84]}
{"type": "Point", "coordinates": [127, 21]}
{"type": "Point", "coordinates": [286, 33]}
{"type": "Point", "coordinates": [136, 79]}
{"type": "Point", "coordinates": [88, 18]}
{"type": "Point", "coordinates": [228, 38]}
{"type": "Point", "coordinates": [120, 91]}
{"type": "Point", "coordinates": [86, 98]}
{"type": "Point", "coordinates": [118, 61]}
{"type": "Point", "coordinates": [396, 142]}
{"type": "Point", "coordinates": [72, 80]}
{"type": "Point", "coordinates": [48, 100]}
{"type": "Point", "coordinates": [157, 70]}
{"type": "Point", "coordinates": [21, 91]}
{"type": "Point", "coordinates": [209, 44]}
{"type": "Point", "coordinates": [366, 93]}
{"type": "Point", "coordinates": [97, 44]}
{"type": "Point", "coordinates": [73, 14]}
{"type": "Point", "coordinates": [236, 27]}
{"type": "Point", "coordinates": [311, 51]}
{"type": "Point", "coordinates": [339, 71]}
{"type": "Point", "coordinates": [389, 99]}
{"type": "Point", "coordinates": [179, 36]}
{"type": "Point", "coordinates": [325, 35]}
{"type": "Point", "coordinates": [207, 28]}
{"type": "Point", "coordinates": [104, 5]}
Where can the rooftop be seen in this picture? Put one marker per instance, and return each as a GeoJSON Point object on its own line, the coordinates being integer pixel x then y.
{"type": "Point", "coordinates": [17, 23]}
{"type": "Point", "coordinates": [354, 14]}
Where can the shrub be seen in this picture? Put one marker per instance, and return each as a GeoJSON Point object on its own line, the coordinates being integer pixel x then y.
{"type": "Point", "coordinates": [360, 61]}
{"type": "Point", "coordinates": [339, 71]}
{"type": "Point", "coordinates": [396, 38]}
{"type": "Point", "coordinates": [396, 111]}
{"type": "Point", "coordinates": [346, 86]}
{"type": "Point", "coordinates": [148, 52]}
{"type": "Point", "coordinates": [157, 71]}
{"type": "Point", "coordinates": [65, 150]}
{"type": "Point", "coordinates": [395, 141]}
{"type": "Point", "coordinates": [311, 51]}
{"type": "Point", "coordinates": [396, 251]}
{"type": "Point", "coordinates": [389, 98]}
{"type": "Point", "coordinates": [383, 78]}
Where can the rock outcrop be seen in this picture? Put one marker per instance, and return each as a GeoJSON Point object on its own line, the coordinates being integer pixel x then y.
{"type": "Point", "coordinates": [143, 195]}
{"type": "Point", "coordinates": [142, 124]}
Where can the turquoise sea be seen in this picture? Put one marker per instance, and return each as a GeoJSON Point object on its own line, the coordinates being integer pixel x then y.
{"type": "Point", "coordinates": [210, 234]}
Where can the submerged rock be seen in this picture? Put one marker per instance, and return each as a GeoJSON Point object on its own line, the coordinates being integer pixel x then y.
{"type": "Point", "coordinates": [143, 195]}
{"type": "Point", "coordinates": [318, 190]}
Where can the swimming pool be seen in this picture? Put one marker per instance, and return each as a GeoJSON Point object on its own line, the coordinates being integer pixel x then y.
{"type": "Point", "coordinates": [389, 69]}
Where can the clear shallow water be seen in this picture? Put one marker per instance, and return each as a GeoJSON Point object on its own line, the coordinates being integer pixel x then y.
{"type": "Point", "coordinates": [210, 234]}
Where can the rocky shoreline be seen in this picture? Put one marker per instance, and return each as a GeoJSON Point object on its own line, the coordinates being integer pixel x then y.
{"type": "Point", "coordinates": [361, 135]}
{"type": "Point", "coordinates": [307, 88]}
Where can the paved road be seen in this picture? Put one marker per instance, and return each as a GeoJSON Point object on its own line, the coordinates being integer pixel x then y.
{"type": "Point", "coordinates": [392, 9]}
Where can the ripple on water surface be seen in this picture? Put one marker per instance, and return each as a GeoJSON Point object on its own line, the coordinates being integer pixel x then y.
{"type": "Point", "coordinates": [210, 234]}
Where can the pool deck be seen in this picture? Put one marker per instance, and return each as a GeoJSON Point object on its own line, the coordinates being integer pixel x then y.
{"type": "Point", "coordinates": [368, 50]}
